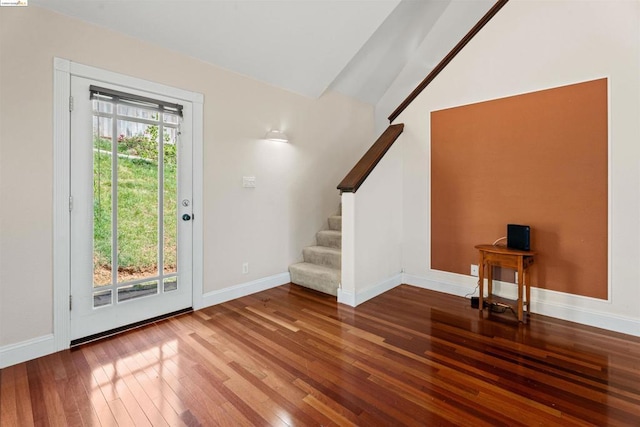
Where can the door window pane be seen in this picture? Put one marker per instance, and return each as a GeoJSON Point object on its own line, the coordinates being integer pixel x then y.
{"type": "Point", "coordinates": [170, 284]}
{"type": "Point", "coordinates": [102, 298]}
{"type": "Point", "coordinates": [103, 106]}
{"type": "Point", "coordinates": [171, 118]}
{"type": "Point", "coordinates": [137, 203]}
{"type": "Point", "coordinates": [170, 196]}
{"type": "Point", "coordinates": [102, 157]}
{"type": "Point", "coordinates": [131, 110]}
{"type": "Point", "coordinates": [137, 291]}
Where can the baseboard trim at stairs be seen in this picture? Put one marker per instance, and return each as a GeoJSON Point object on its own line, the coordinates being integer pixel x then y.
{"type": "Point", "coordinates": [243, 289]}
{"type": "Point", "coordinates": [349, 298]}
{"type": "Point", "coordinates": [13, 354]}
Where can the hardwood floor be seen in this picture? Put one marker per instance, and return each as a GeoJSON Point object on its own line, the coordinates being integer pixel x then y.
{"type": "Point", "coordinates": [288, 356]}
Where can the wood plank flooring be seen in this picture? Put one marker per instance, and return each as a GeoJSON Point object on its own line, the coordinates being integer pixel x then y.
{"type": "Point", "coordinates": [293, 357]}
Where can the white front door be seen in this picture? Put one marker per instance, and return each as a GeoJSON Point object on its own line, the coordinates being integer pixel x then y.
{"type": "Point", "coordinates": [131, 206]}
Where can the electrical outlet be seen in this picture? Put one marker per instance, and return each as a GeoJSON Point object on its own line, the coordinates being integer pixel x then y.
{"type": "Point", "coordinates": [474, 270]}
{"type": "Point", "coordinates": [245, 268]}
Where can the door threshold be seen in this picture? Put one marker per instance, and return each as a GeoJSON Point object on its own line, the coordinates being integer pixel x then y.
{"type": "Point", "coordinates": [115, 331]}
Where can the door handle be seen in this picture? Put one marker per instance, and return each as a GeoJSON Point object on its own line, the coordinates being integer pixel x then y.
{"type": "Point", "coordinates": [186, 217]}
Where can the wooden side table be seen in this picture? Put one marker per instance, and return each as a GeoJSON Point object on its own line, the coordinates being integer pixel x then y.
{"type": "Point", "coordinates": [501, 256]}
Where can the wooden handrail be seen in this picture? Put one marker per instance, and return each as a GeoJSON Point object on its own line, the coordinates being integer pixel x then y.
{"type": "Point", "coordinates": [438, 68]}
{"type": "Point", "coordinates": [365, 165]}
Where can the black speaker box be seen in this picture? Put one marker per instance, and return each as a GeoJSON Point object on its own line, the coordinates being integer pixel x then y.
{"type": "Point", "coordinates": [519, 237]}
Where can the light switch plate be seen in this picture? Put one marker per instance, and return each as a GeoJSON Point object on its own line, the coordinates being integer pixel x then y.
{"type": "Point", "coordinates": [249, 181]}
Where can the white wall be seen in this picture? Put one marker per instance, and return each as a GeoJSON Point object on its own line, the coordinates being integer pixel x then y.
{"type": "Point", "coordinates": [530, 46]}
{"type": "Point", "coordinates": [267, 226]}
{"type": "Point", "coordinates": [458, 18]}
{"type": "Point", "coordinates": [372, 232]}
{"type": "Point", "coordinates": [378, 222]}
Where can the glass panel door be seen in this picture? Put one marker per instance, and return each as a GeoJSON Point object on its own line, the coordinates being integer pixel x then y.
{"type": "Point", "coordinates": [138, 171]}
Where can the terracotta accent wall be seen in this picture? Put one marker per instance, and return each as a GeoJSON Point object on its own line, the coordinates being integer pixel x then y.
{"type": "Point", "coordinates": [538, 159]}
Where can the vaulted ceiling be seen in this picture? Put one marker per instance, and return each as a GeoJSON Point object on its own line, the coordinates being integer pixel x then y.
{"type": "Point", "coordinates": [357, 47]}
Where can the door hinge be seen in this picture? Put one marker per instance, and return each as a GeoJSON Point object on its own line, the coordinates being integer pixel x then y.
{"type": "Point", "coordinates": [70, 103]}
{"type": "Point", "coordinates": [70, 301]}
{"type": "Point", "coordinates": [70, 203]}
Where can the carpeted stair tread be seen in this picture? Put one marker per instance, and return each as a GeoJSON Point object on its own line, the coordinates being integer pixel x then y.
{"type": "Point", "coordinates": [323, 255]}
{"type": "Point", "coordinates": [330, 238]}
{"type": "Point", "coordinates": [317, 277]}
{"type": "Point", "coordinates": [321, 269]}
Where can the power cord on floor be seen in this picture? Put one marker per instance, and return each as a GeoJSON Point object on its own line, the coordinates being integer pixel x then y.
{"type": "Point", "coordinates": [495, 307]}
{"type": "Point", "coordinates": [501, 308]}
{"type": "Point", "coordinates": [474, 290]}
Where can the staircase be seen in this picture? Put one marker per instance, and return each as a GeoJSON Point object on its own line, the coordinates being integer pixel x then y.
{"type": "Point", "coordinates": [321, 268]}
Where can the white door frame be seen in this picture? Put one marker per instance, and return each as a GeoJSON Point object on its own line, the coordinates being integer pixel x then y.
{"type": "Point", "coordinates": [62, 71]}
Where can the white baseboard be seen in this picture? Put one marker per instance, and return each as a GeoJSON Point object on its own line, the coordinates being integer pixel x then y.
{"type": "Point", "coordinates": [625, 325]}
{"type": "Point", "coordinates": [13, 354]}
{"type": "Point", "coordinates": [349, 298]}
{"type": "Point", "coordinates": [440, 286]}
{"type": "Point", "coordinates": [243, 289]}
{"type": "Point", "coordinates": [540, 304]}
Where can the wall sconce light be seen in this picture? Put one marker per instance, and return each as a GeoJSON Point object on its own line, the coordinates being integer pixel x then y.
{"type": "Point", "coordinates": [276, 135]}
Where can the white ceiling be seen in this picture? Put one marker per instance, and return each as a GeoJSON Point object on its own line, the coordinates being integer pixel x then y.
{"type": "Point", "coordinates": [357, 47]}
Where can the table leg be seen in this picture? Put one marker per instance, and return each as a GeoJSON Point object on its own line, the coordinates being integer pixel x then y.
{"type": "Point", "coordinates": [520, 281]}
{"type": "Point", "coordinates": [527, 288]}
{"type": "Point", "coordinates": [489, 280]}
{"type": "Point", "coordinates": [481, 283]}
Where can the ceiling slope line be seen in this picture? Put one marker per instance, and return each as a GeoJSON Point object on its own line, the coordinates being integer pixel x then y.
{"type": "Point", "coordinates": [447, 59]}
